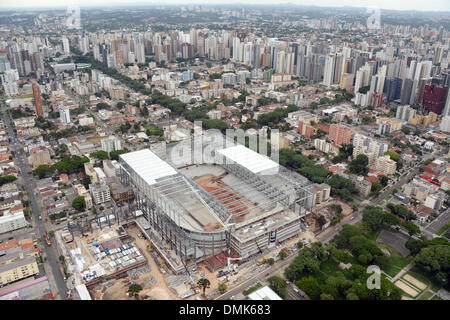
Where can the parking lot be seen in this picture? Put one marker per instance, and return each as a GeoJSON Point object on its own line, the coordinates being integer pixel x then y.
{"type": "Point", "coordinates": [394, 240]}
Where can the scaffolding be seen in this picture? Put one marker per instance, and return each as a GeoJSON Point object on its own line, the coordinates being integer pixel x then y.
{"type": "Point", "coordinates": [179, 211]}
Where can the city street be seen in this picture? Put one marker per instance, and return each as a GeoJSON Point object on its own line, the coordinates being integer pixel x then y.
{"type": "Point", "coordinates": [52, 265]}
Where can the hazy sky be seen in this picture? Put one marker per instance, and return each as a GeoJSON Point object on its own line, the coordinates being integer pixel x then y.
{"type": "Point", "coordinates": [422, 5]}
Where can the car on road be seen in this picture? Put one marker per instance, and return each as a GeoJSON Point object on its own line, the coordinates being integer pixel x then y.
{"type": "Point", "coordinates": [352, 218]}
{"type": "Point", "coordinates": [40, 218]}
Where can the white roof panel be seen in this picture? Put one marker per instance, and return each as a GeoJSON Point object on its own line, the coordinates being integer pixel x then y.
{"type": "Point", "coordinates": [265, 293]}
{"type": "Point", "coordinates": [148, 165]}
{"type": "Point", "coordinates": [83, 292]}
{"type": "Point", "coordinates": [249, 159]}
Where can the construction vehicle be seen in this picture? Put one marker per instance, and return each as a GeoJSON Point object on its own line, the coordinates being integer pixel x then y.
{"type": "Point", "coordinates": [47, 239]}
{"type": "Point", "coordinates": [149, 248]}
{"type": "Point", "coordinates": [264, 260]}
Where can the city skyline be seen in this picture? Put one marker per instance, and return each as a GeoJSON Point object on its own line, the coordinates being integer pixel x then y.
{"type": "Point", "coordinates": [401, 5]}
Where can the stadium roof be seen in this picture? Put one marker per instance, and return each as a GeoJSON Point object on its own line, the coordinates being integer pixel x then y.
{"type": "Point", "coordinates": [249, 159]}
{"type": "Point", "coordinates": [148, 165]}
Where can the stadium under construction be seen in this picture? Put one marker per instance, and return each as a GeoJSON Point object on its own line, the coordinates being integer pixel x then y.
{"type": "Point", "coordinates": [236, 200]}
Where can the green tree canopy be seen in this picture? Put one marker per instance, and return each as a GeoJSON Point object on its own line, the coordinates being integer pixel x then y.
{"type": "Point", "coordinates": [79, 203]}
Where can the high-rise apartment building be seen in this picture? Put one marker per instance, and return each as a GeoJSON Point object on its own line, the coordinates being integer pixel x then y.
{"type": "Point", "coordinates": [340, 134]}
{"type": "Point", "coordinates": [38, 100]}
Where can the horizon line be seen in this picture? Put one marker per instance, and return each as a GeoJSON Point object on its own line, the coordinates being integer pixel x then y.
{"type": "Point", "coordinates": [176, 4]}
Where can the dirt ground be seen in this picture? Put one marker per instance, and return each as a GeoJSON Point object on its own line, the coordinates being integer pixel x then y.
{"type": "Point", "coordinates": [160, 290]}
{"type": "Point", "coordinates": [406, 288]}
{"type": "Point", "coordinates": [415, 282]}
{"type": "Point", "coordinates": [211, 276]}
{"type": "Point", "coordinates": [211, 183]}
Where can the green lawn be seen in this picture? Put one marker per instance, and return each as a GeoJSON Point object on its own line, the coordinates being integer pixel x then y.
{"type": "Point", "coordinates": [392, 270]}
{"type": "Point", "coordinates": [436, 298]}
{"type": "Point", "coordinates": [434, 286]}
{"type": "Point", "coordinates": [443, 228]}
{"type": "Point", "coordinates": [397, 261]}
{"type": "Point", "coordinates": [252, 289]}
{"type": "Point", "coordinates": [426, 296]}
{"type": "Point", "coordinates": [330, 267]}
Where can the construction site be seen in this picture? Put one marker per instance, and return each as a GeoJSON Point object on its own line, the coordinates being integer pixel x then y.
{"type": "Point", "coordinates": [328, 211]}
{"type": "Point", "coordinates": [237, 205]}
{"type": "Point", "coordinates": [106, 261]}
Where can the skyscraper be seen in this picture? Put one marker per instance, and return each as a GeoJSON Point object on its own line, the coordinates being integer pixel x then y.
{"type": "Point", "coordinates": [38, 100]}
{"type": "Point", "coordinates": [434, 98]}
{"type": "Point", "coordinates": [64, 115]}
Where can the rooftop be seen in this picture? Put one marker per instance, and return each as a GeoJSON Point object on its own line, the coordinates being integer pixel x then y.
{"type": "Point", "coordinates": [148, 165]}
{"type": "Point", "coordinates": [249, 159]}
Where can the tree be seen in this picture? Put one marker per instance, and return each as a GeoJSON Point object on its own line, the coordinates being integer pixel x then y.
{"type": "Point", "coordinates": [43, 170]}
{"type": "Point", "coordinates": [336, 208]}
{"type": "Point", "coordinates": [144, 112]}
{"type": "Point", "coordinates": [342, 187]}
{"type": "Point", "coordinates": [101, 155]}
{"type": "Point", "coordinates": [114, 155]}
{"type": "Point", "coordinates": [359, 165]}
{"type": "Point", "coordinates": [411, 228]}
{"type": "Point", "coordinates": [7, 179]}
{"type": "Point", "coordinates": [376, 187]}
{"type": "Point", "coordinates": [434, 260]}
{"type": "Point", "coordinates": [134, 290]}
{"type": "Point", "coordinates": [352, 296]}
{"type": "Point", "coordinates": [321, 220]}
{"type": "Point", "coordinates": [79, 203]}
{"type": "Point", "coordinates": [282, 254]}
{"type": "Point", "coordinates": [373, 217]}
{"type": "Point", "coordinates": [336, 286]}
{"type": "Point", "coordinates": [278, 285]}
{"type": "Point", "coordinates": [383, 180]}
{"type": "Point", "coordinates": [326, 296]}
{"type": "Point", "coordinates": [203, 284]}
{"type": "Point", "coordinates": [222, 287]}
{"type": "Point", "coordinates": [401, 211]}
{"type": "Point", "coordinates": [270, 261]}
{"type": "Point", "coordinates": [357, 271]}
{"type": "Point", "coordinates": [307, 261]}
{"type": "Point", "coordinates": [310, 286]}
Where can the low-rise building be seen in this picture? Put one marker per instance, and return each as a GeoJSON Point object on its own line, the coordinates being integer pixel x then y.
{"type": "Point", "coordinates": [12, 221]}
{"type": "Point", "coordinates": [386, 165]}
{"type": "Point", "coordinates": [120, 193]}
{"type": "Point", "coordinates": [17, 270]}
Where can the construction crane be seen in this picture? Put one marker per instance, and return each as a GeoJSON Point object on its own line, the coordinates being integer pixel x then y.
{"type": "Point", "coordinates": [262, 255]}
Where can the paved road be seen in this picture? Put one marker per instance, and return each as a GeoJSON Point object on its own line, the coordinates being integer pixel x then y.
{"type": "Point", "coordinates": [52, 260]}
{"type": "Point", "coordinates": [439, 222]}
{"type": "Point", "coordinates": [262, 275]}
